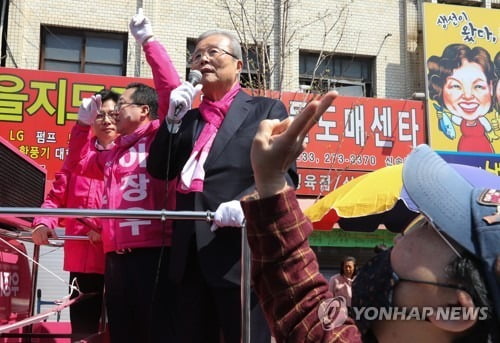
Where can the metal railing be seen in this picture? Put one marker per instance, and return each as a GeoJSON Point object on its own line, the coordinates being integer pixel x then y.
{"type": "Point", "coordinates": [136, 214]}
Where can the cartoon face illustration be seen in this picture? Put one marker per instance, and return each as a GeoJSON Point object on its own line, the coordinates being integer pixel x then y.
{"type": "Point", "coordinates": [467, 93]}
{"type": "Point", "coordinates": [461, 86]}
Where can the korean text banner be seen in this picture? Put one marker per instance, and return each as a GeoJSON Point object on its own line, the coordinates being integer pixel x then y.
{"type": "Point", "coordinates": [314, 182]}
{"type": "Point", "coordinates": [39, 108]}
{"type": "Point", "coordinates": [361, 133]}
{"type": "Point", "coordinates": [462, 58]}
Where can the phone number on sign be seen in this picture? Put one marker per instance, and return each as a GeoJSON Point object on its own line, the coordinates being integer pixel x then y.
{"type": "Point", "coordinates": [332, 158]}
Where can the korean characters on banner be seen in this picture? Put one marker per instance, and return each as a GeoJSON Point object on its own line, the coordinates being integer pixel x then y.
{"type": "Point", "coordinates": [355, 136]}
{"type": "Point", "coordinates": [38, 109]}
{"type": "Point", "coordinates": [362, 133]}
{"type": "Point", "coordinates": [322, 181]}
{"type": "Point", "coordinates": [462, 59]}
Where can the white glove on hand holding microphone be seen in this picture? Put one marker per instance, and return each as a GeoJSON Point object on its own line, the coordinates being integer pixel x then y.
{"type": "Point", "coordinates": [228, 214]}
{"type": "Point", "coordinates": [181, 99]}
{"type": "Point", "coordinates": [140, 27]}
{"type": "Point", "coordinates": [89, 108]}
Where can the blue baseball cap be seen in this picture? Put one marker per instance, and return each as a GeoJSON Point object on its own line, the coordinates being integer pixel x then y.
{"type": "Point", "coordinates": [468, 214]}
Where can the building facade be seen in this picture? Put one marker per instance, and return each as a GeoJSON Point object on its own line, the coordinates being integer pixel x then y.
{"type": "Point", "coordinates": [366, 48]}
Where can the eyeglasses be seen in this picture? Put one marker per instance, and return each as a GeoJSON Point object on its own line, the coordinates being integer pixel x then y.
{"type": "Point", "coordinates": [121, 105]}
{"type": "Point", "coordinates": [101, 116]}
{"type": "Point", "coordinates": [384, 274]}
{"type": "Point", "coordinates": [213, 52]}
{"type": "Point", "coordinates": [397, 279]}
{"type": "Point", "coordinates": [420, 221]}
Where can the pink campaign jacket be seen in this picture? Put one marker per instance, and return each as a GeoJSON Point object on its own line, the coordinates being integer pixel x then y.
{"type": "Point", "coordinates": [75, 191]}
{"type": "Point", "coordinates": [128, 185]}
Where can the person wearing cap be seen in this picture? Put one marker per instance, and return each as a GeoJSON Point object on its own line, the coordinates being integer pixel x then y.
{"type": "Point", "coordinates": [445, 259]}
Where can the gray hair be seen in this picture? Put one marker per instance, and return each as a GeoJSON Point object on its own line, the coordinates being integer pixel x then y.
{"type": "Point", "coordinates": [234, 42]}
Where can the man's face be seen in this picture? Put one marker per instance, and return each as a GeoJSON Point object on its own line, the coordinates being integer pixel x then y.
{"type": "Point", "coordinates": [219, 68]}
{"type": "Point", "coordinates": [105, 124]}
{"type": "Point", "coordinates": [422, 255]}
{"type": "Point", "coordinates": [130, 114]}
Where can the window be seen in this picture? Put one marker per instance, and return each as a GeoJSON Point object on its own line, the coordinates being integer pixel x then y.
{"type": "Point", "coordinates": [83, 51]}
{"type": "Point", "coordinates": [349, 75]}
{"type": "Point", "coordinates": [190, 45]}
{"type": "Point", "coordinates": [255, 72]}
{"type": "Point", "coordinates": [251, 75]}
{"type": "Point", "coordinates": [476, 3]}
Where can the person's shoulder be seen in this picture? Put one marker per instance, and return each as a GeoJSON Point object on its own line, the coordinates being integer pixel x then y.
{"type": "Point", "coordinates": [265, 99]}
{"type": "Point", "coordinates": [335, 277]}
{"type": "Point", "coordinates": [263, 102]}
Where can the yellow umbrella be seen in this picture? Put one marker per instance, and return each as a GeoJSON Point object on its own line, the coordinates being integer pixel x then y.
{"type": "Point", "coordinates": [365, 197]}
{"type": "Point", "coordinates": [379, 197]}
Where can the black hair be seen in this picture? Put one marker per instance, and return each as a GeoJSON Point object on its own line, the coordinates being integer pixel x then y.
{"type": "Point", "coordinates": [348, 259]}
{"type": "Point", "coordinates": [441, 67]}
{"type": "Point", "coordinates": [145, 95]}
{"type": "Point", "coordinates": [467, 271]}
{"type": "Point", "coordinates": [379, 248]}
{"type": "Point", "coordinates": [107, 94]}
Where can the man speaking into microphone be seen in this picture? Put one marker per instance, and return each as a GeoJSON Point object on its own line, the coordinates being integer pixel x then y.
{"type": "Point", "coordinates": [207, 150]}
{"type": "Point", "coordinates": [183, 99]}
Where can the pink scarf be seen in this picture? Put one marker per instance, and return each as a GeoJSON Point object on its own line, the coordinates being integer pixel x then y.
{"type": "Point", "coordinates": [213, 113]}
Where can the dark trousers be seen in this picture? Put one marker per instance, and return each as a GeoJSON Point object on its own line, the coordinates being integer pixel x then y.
{"type": "Point", "coordinates": [208, 314]}
{"type": "Point", "coordinates": [139, 296]}
{"type": "Point", "coordinates": [85, 314]}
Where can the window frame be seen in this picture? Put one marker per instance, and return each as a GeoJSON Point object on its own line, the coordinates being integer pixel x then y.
{"type": "Point", "coordinates": [331, 80]}
{"type": "Point", "coordinates": [84, 35]}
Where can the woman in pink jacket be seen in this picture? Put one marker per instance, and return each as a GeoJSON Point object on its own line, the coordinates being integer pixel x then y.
{"type": "Point", "coordinates": [341, 284]}
{"type": "Point", "coordinates": [84, 259]}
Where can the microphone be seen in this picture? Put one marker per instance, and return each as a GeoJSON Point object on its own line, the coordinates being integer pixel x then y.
{"type": "Point", "coordinates": [194, 77]}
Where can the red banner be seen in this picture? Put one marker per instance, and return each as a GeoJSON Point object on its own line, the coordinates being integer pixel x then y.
{"type": "Point", "coordinates": [38, 109]}
{"type": "Point", "coordinates": [322, 181]}
{"type": "Point", "coordinates": [361, 133]}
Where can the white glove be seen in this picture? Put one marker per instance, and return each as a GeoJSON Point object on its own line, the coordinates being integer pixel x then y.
{"type": "Point", "coordinates": [181, 100]}
{"type": "Point", "coordinates": [140, 27]}
{"type": "Point", "coordinates": [228, 214]}
{"type": "Point", "coordinates": [89, 108]}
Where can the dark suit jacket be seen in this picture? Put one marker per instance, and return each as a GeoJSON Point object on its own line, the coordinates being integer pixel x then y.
{"type": "Point", "coordinates": [228, 176]}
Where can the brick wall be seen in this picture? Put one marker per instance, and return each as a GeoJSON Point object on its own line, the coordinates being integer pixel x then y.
{"type": "Point", "coordinates": [383, 29]}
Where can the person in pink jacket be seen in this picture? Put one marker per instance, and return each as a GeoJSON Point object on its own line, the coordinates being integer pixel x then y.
{"type": "Point", "coordinates": [137, 250]}
{"type": "Point", "coordinates": [341, 284]}
{"type": "Point", "coordinates": [83, 259]}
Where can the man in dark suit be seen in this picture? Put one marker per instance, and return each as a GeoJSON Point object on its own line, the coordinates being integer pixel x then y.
{"type": "Point", "coordinates": [208, 150]}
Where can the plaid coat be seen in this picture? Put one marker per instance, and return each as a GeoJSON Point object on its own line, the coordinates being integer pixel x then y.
{"type": "Point", "coordinates": [285, 273]}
